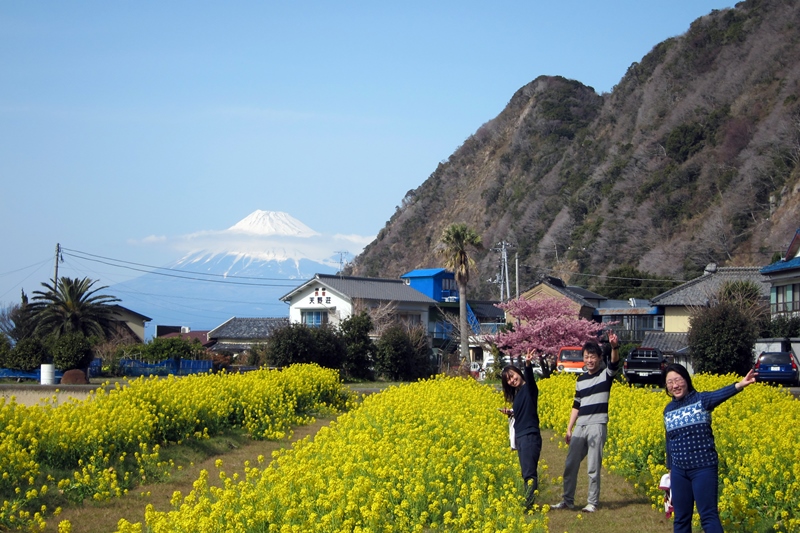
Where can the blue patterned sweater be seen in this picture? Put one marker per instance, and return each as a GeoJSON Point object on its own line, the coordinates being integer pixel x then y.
{"type": "Point", "coordinates": [690, 441]}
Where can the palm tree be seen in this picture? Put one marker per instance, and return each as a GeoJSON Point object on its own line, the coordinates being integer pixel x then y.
{"type": "Point", "coordinates": [73, 307]}
{"type": "Point", "coordinates": [455, 240]}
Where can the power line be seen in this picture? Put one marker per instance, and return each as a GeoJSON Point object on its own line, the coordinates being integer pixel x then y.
{"type": "Point", "coordinates": [168, 268]}
{"type": "Point", "coordinates": [558, 271]}
{"type": "Point", "coordinates": [40, 263]}
{"type": "Point", "coordinates": [225, 279]}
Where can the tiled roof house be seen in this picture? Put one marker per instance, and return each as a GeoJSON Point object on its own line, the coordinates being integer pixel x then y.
{"type": "Point", "coordinates": [784, 278]}
{"type": "Point", "coordinates": [678, 302]}
{"type": "Point", "coordinates": [329, 299]}
{"type": "Point", "coordinates": [239, 334]}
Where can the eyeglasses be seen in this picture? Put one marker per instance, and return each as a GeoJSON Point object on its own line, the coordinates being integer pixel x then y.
{"type": "Point", "coordinates": [676, 381]}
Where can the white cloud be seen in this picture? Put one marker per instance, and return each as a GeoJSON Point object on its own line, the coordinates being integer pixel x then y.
{"type": "Point", "coordinates": [150, 239]}
{"type": "Point", "coordinates": [320, 248]}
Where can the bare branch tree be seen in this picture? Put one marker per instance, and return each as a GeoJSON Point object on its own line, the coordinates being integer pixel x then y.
{"type": "Point", "coordinates": [383, 314]}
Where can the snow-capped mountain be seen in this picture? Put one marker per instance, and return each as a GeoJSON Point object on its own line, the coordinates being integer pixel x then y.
{"type": "Point", "coordinates": [272, 223]}
{"type": "Point", "coordinates": [241, 271]}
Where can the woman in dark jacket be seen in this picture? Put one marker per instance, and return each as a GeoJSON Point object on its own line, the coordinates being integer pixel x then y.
{"type": "Point", "coordinates": [691, 454]}
{"type": "Point", "coordinates": [520, 390]}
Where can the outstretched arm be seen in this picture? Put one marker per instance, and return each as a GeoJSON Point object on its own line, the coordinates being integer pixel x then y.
{"type": "Point", "coordinates": [614, 341]}
{"type": "Point", "coordinates": [749, 379]}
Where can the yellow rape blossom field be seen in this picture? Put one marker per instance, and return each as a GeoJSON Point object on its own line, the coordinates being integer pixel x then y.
{"type": "Point", "coordinates": [431, 455]}
{"type": "Point", "coordinates": [756, 434]}
{"type": "Point", "coordinates": [101, 447]}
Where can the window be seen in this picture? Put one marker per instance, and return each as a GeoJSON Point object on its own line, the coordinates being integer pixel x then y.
{"type": "Point", "coordinates": [652, 322]}
{"type": "Point", "coordinates": [449, 284]}
{"type": "Point", "coordinates": [780, 299]}
{"type": "Point", "coordinates": [787, 299]}
{"type": "Point", "coordinates": [314, 319]}
{"type": "Point", "coordinates": [410, 319]}
{"type": "Point", "coordinates": [327, 299]}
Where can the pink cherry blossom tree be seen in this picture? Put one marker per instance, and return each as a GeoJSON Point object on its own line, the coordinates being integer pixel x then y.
{"type": "Point", "coordinates": [543, 325]}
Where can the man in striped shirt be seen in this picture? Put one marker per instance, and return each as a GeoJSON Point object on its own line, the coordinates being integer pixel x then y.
{"type": "Point", "coordinates": [589, 419]}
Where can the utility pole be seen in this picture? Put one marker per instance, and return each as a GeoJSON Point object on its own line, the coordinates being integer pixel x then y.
{"type": "Point", "coordinates": [341, 260]}
{"type": "Point", "coordinates": [55, 274]}
{"type": "Point", "coordinates": [502, 278]}
{"type": "Point", "coordinates": [516, 261]}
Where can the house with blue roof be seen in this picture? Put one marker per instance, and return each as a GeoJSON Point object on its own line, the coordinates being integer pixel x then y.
{"type": "Point", "coordinates": [784, 279]}
{"type": "Point", "coordinates": [439, 284]}
{"type": "Point", "coordinates": [436, 283]}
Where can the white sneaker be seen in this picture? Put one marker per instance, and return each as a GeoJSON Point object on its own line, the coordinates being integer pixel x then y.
{"type": "Point", "coordinates": [589, 508]}
{"type": "Point", "coordinates": [562, 505]}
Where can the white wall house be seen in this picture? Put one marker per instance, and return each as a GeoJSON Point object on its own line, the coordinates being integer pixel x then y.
{"type": "Point", "coordinates": [329, 299]}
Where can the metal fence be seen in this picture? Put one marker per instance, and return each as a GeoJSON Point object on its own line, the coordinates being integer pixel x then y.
{"type": "Point", "coordinates": [182, 367]}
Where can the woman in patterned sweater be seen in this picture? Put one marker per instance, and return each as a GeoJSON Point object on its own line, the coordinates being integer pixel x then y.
{"type": "Point", "coordinates": [691, 455]}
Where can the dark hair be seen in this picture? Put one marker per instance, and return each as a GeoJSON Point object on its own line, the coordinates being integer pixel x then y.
{"type": "Point", "coordinates": [508, 391]}
{"type": "Point", "coordinates": [682, 372]}
{"type": "Point", "coordinates": [593, 348]}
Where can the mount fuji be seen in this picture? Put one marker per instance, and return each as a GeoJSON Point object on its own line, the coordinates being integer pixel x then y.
{"type": "Point", "coordinates": [241, 271]}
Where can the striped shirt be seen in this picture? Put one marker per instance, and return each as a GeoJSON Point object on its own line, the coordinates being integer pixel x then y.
{"type": "Point", "coordinates": [591, 395]}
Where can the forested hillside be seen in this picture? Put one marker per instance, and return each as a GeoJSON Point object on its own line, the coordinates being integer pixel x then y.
{"type": "Point", "coordinates": [694, 157]}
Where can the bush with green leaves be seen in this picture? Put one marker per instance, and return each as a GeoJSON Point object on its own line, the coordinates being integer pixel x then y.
{"type": "Point", "coordinates": [399, 356]}
{"type": "Point", "coordinates": [329, 349]}
{"type": "Point", "coordinates": [161, 349]}
{"type": "Point", "coordinates": [781, 327]}
{"type": "Point", "coordinates": [71, 351]}
{"type": "Point", "coordinates": [721, 340]}
{"type": "Point", "coordinates": [5, 350]}
{"type": "Point", "coordinates": [290, 344]}
{"type": "Point", "coordinates": [28, 355]}
{"type": "Point", "coordinates": [359, 346]}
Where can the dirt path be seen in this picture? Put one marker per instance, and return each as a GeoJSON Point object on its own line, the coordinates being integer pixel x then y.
{"type": "Point", "coordinates": [621, 508]}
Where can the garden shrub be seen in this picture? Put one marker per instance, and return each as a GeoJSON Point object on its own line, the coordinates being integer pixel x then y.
{"type": "Point", "coordinates": [329, 348]}
{"type": "Point", "coordinates": [721, 340]}
{"type": "Point", "coordinates": [72, 351]}
{"type": "Point", "coordinates": [5, 350]}
{"type": "Point", "coordinates": [28, 355]}
{"type": "Point", "coordinates": [399, 355]}
{"type": "Point", "coordinates": [290, 344]}
{"type": "Point", "coordinates": [358, 346]}
{"type": "Point", "coordinates": [161, 349]}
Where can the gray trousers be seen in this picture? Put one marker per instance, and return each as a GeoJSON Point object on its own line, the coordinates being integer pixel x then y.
{"type": "Point", "coordinates": [587, 441]}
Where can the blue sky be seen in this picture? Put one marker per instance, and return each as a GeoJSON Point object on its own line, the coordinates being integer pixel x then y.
{"type": "Point", "coordinates": [127, 125]}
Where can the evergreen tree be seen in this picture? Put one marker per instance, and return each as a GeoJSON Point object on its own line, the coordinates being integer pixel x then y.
{"type": "Point", "coordinates": [360, 349]}
{"type": "Point", "coordinates": [291, 344]}
{"type": "Point", "coordinates": [72, 350]}
{"type": "Point", "coordinates": [721, 340]}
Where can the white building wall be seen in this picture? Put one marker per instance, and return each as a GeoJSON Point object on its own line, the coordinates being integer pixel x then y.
{"type": "Point", "coordinates": [313, 299]}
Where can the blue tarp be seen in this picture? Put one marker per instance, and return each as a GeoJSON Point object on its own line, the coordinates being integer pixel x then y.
{"type": "Point", "coordinates": [19, 374]}
{"type": "Point", "coordinates": [129, 368]}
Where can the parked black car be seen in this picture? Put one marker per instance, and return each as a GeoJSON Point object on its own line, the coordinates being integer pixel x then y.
{"type": "Point", "coordinates": [645, 365]}
{"type": "Point", "coordinates": [777, 367]}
